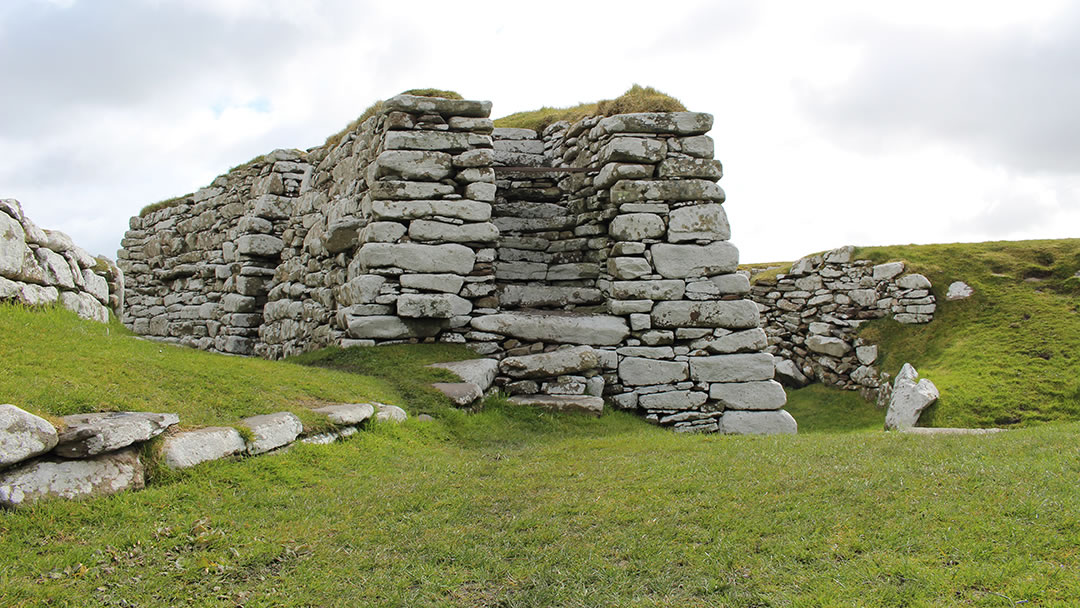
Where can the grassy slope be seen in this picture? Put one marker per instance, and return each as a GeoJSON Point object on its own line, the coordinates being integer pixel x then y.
{"type": "Point", "coordinates": [55, 364]}
{"type": "Point", "coordinates": [1006, 356]}
{"type": "Point", "coordinates": [518, 508]}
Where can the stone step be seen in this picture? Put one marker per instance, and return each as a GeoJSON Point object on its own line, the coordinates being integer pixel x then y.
{"type": "Point", "coordinates": [562, 403]}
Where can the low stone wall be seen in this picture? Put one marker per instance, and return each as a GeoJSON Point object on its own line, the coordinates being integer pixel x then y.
{"type": "Point", "coordinates": [424, 223]}
{"type": "Point", "coordinates": [42, 267]}
{"type": "Point", "coordinates": [812, 314]}
{"type": "Point", "coordinates": [101, 453]}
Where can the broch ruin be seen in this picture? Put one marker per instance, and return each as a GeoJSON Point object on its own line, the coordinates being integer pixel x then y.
{"type": "Point", "coordinates": [592, 259]}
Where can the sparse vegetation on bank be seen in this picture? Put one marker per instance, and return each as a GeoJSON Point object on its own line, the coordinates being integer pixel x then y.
{"type": "Point", "coordinates": [636, 99]}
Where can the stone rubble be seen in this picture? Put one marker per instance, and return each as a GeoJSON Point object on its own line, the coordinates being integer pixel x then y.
{"type": "Point", "coordinates": [910, 396]}
{"type": "Point", "coordinates": [812, 313]}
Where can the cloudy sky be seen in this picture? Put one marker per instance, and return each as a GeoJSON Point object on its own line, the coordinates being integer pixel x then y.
{"type": "Point", "coordinates": [838, 122]}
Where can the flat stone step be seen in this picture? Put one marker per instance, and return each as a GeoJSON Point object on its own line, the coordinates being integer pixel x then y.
{"type": "Point", "coordinates": [562, 403]}
{"type": "Point", "coordinates": [92, 434]}
{"type": "Point", "coordinates": [462, 394]}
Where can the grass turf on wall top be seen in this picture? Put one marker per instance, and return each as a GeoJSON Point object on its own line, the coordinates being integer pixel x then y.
{"type": "Point", "coordinates": [636, 99]}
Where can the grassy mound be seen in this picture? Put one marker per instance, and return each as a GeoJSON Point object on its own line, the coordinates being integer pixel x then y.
{"type": "Point", "coordinates": [57, 364]}
{"type": "Point", "coordinates": [636, 99]}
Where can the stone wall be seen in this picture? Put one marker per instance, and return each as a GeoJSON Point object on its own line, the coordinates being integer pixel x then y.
{"type": "Point", "coordinates": [605, 240]}
{"type": "Point", "coordinates": [42, 267]}
{"type": "Point", "coordinates": [813, 312]}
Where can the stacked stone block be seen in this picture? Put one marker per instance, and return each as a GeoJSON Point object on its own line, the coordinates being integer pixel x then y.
{"type": "Point", "coordinates": [42, 267]}
{"type": "Point", "coordinates": [813, 312]}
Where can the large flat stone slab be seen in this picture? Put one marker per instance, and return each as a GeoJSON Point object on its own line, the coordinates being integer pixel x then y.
{"type": "Point", "coordinates": [741, 422]}
{"type": "Point", "coordinates": [451, 258]}
{"type": "Point", "coordinates": [480, 372]}
{"type": "Point", "coordinates": [641, 371]}
{"type": "Point", "coordinates": [728, 314]}
{"type": "Point", "coordinates": [347, 414]}
{"type": "Point", "coordinates": [104, 474]}
{"type": "Point", "coordinates": [764, 395]}
{"type": "Point", "coordinates": [596, 330]}
{"type": "Point", "coordinates": [272, 431]}
{"type": "Point", "coordinates": [547, 365]}
{"type": "Point", "coordinates": [745, 367]}
{"type": "Point", "coordinates": [388, 327]}
{"type": "Point", "coordinates": [22, 434]}
{"type": "Point", "coordinates": [92, 434]}
{"type": "Point", "coordinates": [562, 403]}
{"type": "Point", "coordinates": [674, 123]}
{"type": "Point", "coordinates": [461, 394]}
{"type": "Point", "coordinates": [190, 448]}
{"type": "Point", "coordinates": [685, 261]}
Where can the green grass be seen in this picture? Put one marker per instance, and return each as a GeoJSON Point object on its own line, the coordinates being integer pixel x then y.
{"type": "Point", "coordinates": [636, 99]}
{"type": "Point", "coordinates": [165, 204]}
{"type": "Point", "coordinates": [56, 364]}
{"type": "Point", "coordinates": [824, 409]}
{"type": "Point", "coordinates": [1008, 356]}
{"type": "Point", "coordinates": [518, 508]}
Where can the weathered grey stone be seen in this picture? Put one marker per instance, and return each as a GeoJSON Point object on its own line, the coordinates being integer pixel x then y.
{"type": "Point", "coordinates": [480, 372]}
{"type": "Point", "coordinates": [639, 371]}
{"type": "Point", "coordinates": [629, 267]}
{"type": "Point", "coordinates": [648, 290]}
{"type": "Point", "coordinates": [884, 272]}
{"type": "Point", "coordinates": [416, 104]}
{"type": "Point", "coordinates": [910, 396]}
{"type": "Point", "coordinates": [733, 314]}
{"type": "Point", "coordinates": [382, 232]}
{"type": "Point", "coordinates": [827, 345]}
{"type": "Point", "coordinates": [390, 413]}
{"type": "Point", "coordinates": [13, 248]}
{"type": "Point", "coordinates": [84, 305]}
{"type": "Point", "coordinates": [556, 363]}
{"type": "Point", "coordinates": [347, 413]}
{"type": "Point", "coordinates": [562, 403]}
{"type": "Point", "coordinates": [428, 230]}
{"type": "Point", "coordinates": [529, 296]}
{"type": "Point", "coordinates": [632, 191]}
{"type": "Point", "coordinates": [732, 284]}
{"type": "Point", "coordinates": [461, 394]}
{"type": "Point", "coordinates": [56, 267]}
{"type": "Point", "coordinates": [913, 281]}
{"type": "Point", "coordinates": [748, 340]}
{"type": "Point", "coordinates": [685, 261]}
{"type": "Point", "coordinates": [597, 330]}
{"type": "Point", "coordinates": [572, 272]}
{"type": "Point", "coordinates": [762, 395]}
{"type": "Point", "coordinates": [436, 306]}
{"type": "Point", "coordinates": [362, 289]}
{"type": "Point", "coordinates": [512, 133]}
{"type": "Point", "coordinates": [675, 123]}
{"type": "Point", "coordinates": [272, 431]}
{"type": "Point", "coordinates": [424, 165]}
{"type": "Point", "coordinates": [691, 167]}
{"type": "Point", "coordinates": [636, 227]}
{"type": "Point", "coordinates": [633, 150]}
{"type": "Point", "coordinates": [698, 146]}
{"type": "Point", "coordinates": [446, 283]}
{"type": "Point", "coordinates": [381, 327]}
{"type": "Point", "coordinates": [262, 245]}
{"type": "Point", "coordinates": [22, 434]}
{"type": "Point", "coordinates": [745, 367]}
{"type": "Point", "coordinates": [427, 140]}
{"type": "Point", "coordinates": [105, 474]}
{"type": "Point", "coordinates": [613, 172]}
{"type": "Point", "coordinates": [397, 190]}
{"type": "Point", "coordinates": [741, 422]}
{"type": "Point", "coordinates": [866, 355]}
{"type": "Point", "coordinates": [958, 290]}
{"type": "Point", "coordinates": [789, 374]}
{"type": "Point", "coordinates": [840, 255]}
{"type": "Point", "coordinates": [695, 222]}
{"type": "Point", "coordinates": [452, 258]}
{"type": "Point", "coordinates": [86, 435]}
{"type": "Point", "coordinates": [190, 448]}
{"type": "Point", "coordinates": [470, 211]}
{"type": "Point", "coordinates": [273, 207]}
{"type": "Point", "coordinates": [673, 400]}
{"type": "Point", "coordinates": [96, 285]}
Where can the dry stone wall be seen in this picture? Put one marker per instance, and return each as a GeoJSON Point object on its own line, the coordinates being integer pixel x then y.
{"type": "Point", "coordinates": [42, 267]}
{"type": "Point", "coordinates": [812, 314]}
{"type": "Point", "coordinates": [593, 259]}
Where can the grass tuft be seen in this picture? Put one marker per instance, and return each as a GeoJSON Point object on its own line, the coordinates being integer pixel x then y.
{"type": "Point", "coordinates": [165, 204]}
{"type": "Point", "coordinates": [433, 93]}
